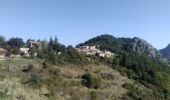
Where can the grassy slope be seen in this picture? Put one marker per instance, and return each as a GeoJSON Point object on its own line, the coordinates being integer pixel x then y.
{"type": "Point", "coordinates": [59, 82]}
{"type": "Point", "coordinates": [110, 88]}
{"type": "Point", "coordinates": [11, 87]}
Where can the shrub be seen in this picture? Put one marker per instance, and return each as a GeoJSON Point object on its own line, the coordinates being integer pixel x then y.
{"type": "Point", "coordinates": [45, 64]}
{"type": "Point", "coordinates": [28, 68]}
{"type": "Point", "coordinates": [90, 81]}
{"type": "Point", "coordinates": [107, 76]}
{"type": "Point", "coordinates": [87, 80]}
{"type": "Point", "coordinates": [93, 95]}
{"type": "Point", "coordinates": [2, 77]}
{"type": "Point", "coordinates": [54, 72]}
{"type": "Point", "coordinates": [3, 92]}
{"type": "Point", "coordinates": [35, 80]}
{"type": "Point", "coordinates": [133, 91]}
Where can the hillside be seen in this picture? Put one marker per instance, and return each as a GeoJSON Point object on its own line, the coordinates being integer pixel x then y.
{"type": "Point", "coordinates": [59, 82]}
{"type": "Point", "coordinates": [136, 58]}
{"type": "Point", "coordinates": [166, 52]}
{"type": "Point", "coordinates": [119, 45]}
{"type": "Point", "coordinates": [137, 71]}
{"type": "Point", "coordinates": [64, 82]}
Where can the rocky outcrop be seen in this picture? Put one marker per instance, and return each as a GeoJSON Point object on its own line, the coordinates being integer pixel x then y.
{"type": "Point", "coordinates": [166, 52]}
{"type": "Point", "coordinates": [118, 45]}
{"type": "Point", "coordinates": [143, 47]}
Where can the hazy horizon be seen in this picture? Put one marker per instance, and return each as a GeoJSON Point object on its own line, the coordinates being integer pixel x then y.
{"type": "Point", "coordinates": [76, 21]}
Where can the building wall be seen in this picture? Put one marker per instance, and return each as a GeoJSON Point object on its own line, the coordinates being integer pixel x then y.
{"type": "Point", "coordinates": [2, 56]}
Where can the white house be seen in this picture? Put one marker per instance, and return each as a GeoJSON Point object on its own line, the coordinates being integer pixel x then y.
{"type": "Point", "coordinates": [25, 51]}
{"type": "Point", "coordinates": [92, 50]}
{"type": "Point", "coordinates": [34, 44]}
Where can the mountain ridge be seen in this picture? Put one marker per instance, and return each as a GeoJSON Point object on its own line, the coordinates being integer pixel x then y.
{"type": "Point", "coordinates": [166, 51]}
{"type": "Point", "coordinates": [123, 44]}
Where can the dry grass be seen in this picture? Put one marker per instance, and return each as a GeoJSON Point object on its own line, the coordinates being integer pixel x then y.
{"type": "Point", "coordinates": [61, 83]}
{"type": "Point", "coordinates": [110, 88]}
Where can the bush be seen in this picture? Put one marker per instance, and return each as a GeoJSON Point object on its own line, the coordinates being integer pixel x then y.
{"type": "Point", "coordinates": [93, 95]}
{"type": "Point", "coordinates": [45, 64]}
{"type": "Point", "coordinates": [3, 92]}
{"type": "Point", "coordinates": [115, 62]}
{"type": "Point", "coordinates": [35, 80]}
{"type": "Point", "coordinates": [107, 76]}
{"type": "Point", "coordinates": [54, 72]}
{"type": "Point", "coordinates": [90, 81]}
{"type": "Point", "coordinates": [28, 68]}
{"type": "Point", "coordinates": [87, 80]}
{"type": "Point", "coordinates": [133, 91]}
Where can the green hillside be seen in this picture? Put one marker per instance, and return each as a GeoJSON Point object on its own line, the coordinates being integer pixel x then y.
{"type": "Point", "coordinates": [137, 72]}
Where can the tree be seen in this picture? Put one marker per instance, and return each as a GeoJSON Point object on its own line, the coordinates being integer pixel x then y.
{"type": "Point", "coordinates": [15, 51]}
{"type": "Point", "coordinates": [51, 42]}
{"type": "Point", "coordinates": [87, 80]}
{"type": "Point", "coordinates": [33, 52]}
{"type": "Point", "coordinates": [28, 43]}
{"type": "Point", "coordinates": [90, 81]}
{"type": "Point", "coordinates": [44, 44]}
{"type": "Point", "coordinates": [16, 42]}
{"type": "Point", "coordinates": [72, 54]}
{"type": "Point", "coordinates": [115, 62]}
{"type": "Point", "coordinates": [2, 40]}
{"type": "Point", "coordinates": [56, 40]}
{"type": "Point", "coordinates": [52, 58]}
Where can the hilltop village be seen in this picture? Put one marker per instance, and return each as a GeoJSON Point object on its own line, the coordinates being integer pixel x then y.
{"type": "Point", "coordinates": [25, 51]}
{"type": "Point", "coordinates": [102, 68]}
{"type": "Point", "coordinates": [94, 50]}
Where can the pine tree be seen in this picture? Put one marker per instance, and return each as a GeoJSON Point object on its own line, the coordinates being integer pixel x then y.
{"type": "Point", "coordinates": [56, 40]}
{"type": "Point", "coordinates": [51, 42]}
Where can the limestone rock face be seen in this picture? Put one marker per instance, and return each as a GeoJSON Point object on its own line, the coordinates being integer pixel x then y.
{"type": "Point", "coordinates": [117, 45]}
{"type": "Point", "coordinates": [143, 47]}
{"type": "Point", "coordinates": [166, 52]}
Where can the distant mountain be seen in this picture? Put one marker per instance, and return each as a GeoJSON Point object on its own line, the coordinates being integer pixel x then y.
{"type": "Point", "coordinates": [143, 47]}
{"type": "Point", "coordinates": [119, 45]}
{"type": "Point", "coordinates": [166, 52]}
{"type": "Point", "coordinates": [106, 41]}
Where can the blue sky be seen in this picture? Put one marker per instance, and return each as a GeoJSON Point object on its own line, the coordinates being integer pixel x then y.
{"type": "Point", "coordinates": [74, 21]}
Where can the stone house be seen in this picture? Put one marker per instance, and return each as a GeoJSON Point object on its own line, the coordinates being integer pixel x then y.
{"type": "Point", "coordinates": [25, 52]}
{"type": "Point", "coordinates": [92, 50]}
{"type": "Point", "coordinates": [3, 53]}
{"type": "Point", "coordinates": [34, 44]}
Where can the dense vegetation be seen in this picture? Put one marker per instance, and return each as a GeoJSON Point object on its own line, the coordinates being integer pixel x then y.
{"type": "Point", "coordinates": [56, 53]}
{"type": "Point", "coordinates": [51, 52]}
{"type": "Point", "coordinates": [150, 72]}
{"type": "Point", "coordinates": [147, 71]}
{"type": "Point", "coordinates": [12, 45]}
{"type": "Point", "coordinates": [166, 52]}
{"type": "Point", "coordinates": [140, 67]}
{"type": "Point", "coordinates": [106, 42]}
{"type": "Point", "coordinates": [90, 81]}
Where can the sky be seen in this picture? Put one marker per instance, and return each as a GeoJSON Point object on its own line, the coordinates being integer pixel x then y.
{"type": "Point", "coordinates": [75, 21]}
